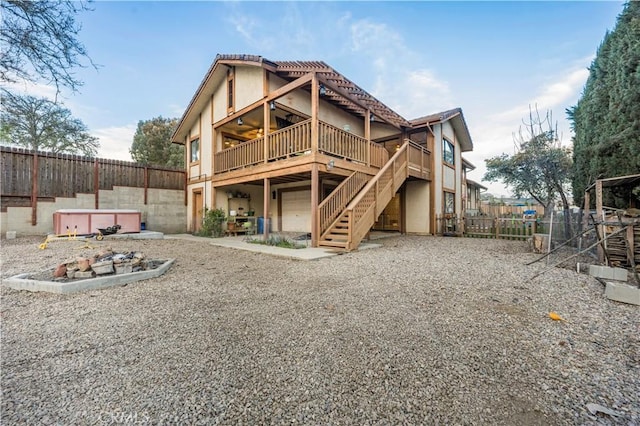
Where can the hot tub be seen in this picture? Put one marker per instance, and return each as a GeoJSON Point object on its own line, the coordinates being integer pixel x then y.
{"type": "Point", "coordinates": [87, 221]}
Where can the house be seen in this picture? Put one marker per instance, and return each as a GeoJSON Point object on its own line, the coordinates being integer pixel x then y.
{"type": "Point", "coordinates": [471, 191]}
{"type": "Point", "coordinates": [298, 147]}
{"type": "Point", "coordinates": [473, 202]}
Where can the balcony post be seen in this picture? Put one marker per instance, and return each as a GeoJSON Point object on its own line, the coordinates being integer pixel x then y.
{"type": "Point", "coordinates": [315, 214]}
{"type": "Point", "coordinates": [315, 106]}
{"type": "Point", "coordinates": [267, 125]}
{"type": "Point", "coordinates": [266, 216]}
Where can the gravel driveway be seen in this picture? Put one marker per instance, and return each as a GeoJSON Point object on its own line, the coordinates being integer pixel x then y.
{"type": "Point", "coordinates": [424, 330]}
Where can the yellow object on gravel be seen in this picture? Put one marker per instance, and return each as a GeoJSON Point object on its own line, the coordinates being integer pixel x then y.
{"type": "Point", "coordinates": [555, 316]}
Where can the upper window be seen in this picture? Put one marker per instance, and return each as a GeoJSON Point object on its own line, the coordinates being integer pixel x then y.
{"type": "Point", "coordinates": [230, 102]}
{"type": "Point", "coordinates": [194, 148]}
{"type": "Point", "coordinates": [448, 152]}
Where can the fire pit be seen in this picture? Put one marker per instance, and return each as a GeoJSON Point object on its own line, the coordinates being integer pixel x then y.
{"type": "Point", "coordinates": [102, 270]}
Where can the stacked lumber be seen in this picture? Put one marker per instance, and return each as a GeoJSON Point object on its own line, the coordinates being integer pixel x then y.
{"type": "Point", "coordinates": [636, 244]}
{"type": "Point", "coordinates": [617, 251]}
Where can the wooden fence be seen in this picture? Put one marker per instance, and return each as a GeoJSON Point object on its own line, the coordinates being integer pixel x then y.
{"type": "Point", "coordinates": [30, 176]}
{"type": "Point", "coordinates": [503, 228]}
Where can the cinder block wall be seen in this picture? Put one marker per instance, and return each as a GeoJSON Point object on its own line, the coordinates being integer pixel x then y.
{"type": "Point", "coordinates": [164, 212]}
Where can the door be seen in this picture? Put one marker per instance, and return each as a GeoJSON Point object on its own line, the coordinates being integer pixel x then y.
{"type": "Point", "coordinates": [296, 211]}
{"type": "Point", "coordinates": [197, 207]}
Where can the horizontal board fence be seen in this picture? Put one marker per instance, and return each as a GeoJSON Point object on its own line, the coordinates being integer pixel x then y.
{"type": "Point", "coordinates": [502, 228]}
{"type": "Point", "coordinates": [29, 176]}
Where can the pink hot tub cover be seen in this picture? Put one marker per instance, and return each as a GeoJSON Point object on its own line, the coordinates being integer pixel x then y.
{"type": "Point", "coordinates": [87, 221]}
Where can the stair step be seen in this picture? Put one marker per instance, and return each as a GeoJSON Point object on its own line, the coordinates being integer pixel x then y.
{"type": "Point", "coordinates": [340, 231]}
{"type": "Point", "coordinates": [324, 243]}
{"type": "Point", "coordinates": [337, 237]}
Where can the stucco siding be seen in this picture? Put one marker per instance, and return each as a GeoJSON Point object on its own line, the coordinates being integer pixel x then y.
{"type": "Point", "coordinates": [248, 86]}
{"type": "Point", "coordinates": [418, 208]}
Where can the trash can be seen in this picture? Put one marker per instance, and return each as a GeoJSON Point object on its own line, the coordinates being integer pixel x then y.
{"type": "Point", "coordinates": [260, 225]}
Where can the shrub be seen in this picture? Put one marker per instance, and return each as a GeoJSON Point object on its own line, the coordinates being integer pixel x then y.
{"type": "Point", "coordinates": [277, 241]}
{"type": "Point", "coordinates": [212, 223]}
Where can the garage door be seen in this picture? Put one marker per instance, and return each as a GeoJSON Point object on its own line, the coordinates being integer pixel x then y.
{"type": "Point", "coordinates": [296, 211]}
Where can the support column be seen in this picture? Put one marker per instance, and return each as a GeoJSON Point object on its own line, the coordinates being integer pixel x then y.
{"type": "Point", "coordinates": [267, 199]}
{"type": "Point", "coordinates": [599, 217]}
{"type": "Point", "coordinates": [315, 214]}
{"type": "Point", "coordinates": [315, 106]}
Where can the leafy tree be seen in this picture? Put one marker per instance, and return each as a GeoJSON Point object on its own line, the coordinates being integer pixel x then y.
{"type": "Point", "coordinates": [540, 167]}
{"type": "Point", "coordinates": [606, 119]}
{"type": "Point", "coordinates": [43, 125]}
{"type": "Point", "coordinates": [152, 143]}
{"type": "Point", "coordinates": [38, 40]}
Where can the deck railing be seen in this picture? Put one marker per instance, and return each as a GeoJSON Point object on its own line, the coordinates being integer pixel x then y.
{"type": "Point", "coordinates": [333, 141]}
{"type": "Point", "coordinates": [242, 155]}
{"type": "Point", "coordinates": [379, 155]}
{"type": "Point", "coordinates": [337, 142]}
{"type": "Point", "coordinates": [419, 161]}
{"type": "Point", "coordinates": [290, 141]}
{"type": "Point", "coordinates": [335, 203]}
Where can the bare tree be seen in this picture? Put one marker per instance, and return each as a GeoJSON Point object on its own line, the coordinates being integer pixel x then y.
{"type": "Point", "coordinates": [38, 40]}
{"type": "Point", "coordinates": [540, 167]}
{"type": "Point", "coordinates": [43, 125]}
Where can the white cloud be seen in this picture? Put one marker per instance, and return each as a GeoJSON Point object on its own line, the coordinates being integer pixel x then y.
{"type": "Point", "coordinates": [401, 79]}
{"type": "Point", "coordinates": [115, 141]}
{"type": "Point", "coordinates": [493, 134]}
{"type": "Point", "coordinates": [554, 94]}
{"type": "Point", "coordinates": [33, 89]}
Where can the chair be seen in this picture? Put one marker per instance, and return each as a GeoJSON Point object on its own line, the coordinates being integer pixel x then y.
{"type": "Point", "coordinates": [249, 230]}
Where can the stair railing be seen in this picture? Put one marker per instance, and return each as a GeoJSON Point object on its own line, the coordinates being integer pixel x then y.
{"type": "Point", "coordinates": [376, 194]}
{"type": "Point", "coordinates": [331, 207]}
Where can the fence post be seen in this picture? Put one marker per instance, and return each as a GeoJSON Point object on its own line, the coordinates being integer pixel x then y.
{"type": "Point", "coordinates": [34, 190]}
{"type": "Point", "coordinates": [146, 184]}
{"type": "Point", "coordinates": [96, 184]}
{"type": "Point", "coordinates": [496, 226]}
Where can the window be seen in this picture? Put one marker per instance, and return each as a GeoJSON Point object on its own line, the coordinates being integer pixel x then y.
{"type": "Point", "coordinates": [447, 152]}
{"type": "Point", "coordinates": [194, 149]}
{"type": "Point", "coordinates": [230, 103]}
{"type": "Point", "coordinates": [449, 202]}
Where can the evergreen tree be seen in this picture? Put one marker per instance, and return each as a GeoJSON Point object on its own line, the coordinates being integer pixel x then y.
{"type": "Point", "coordinates": [606, 119]}
{"type": "Point", "coordinates": [152, 143]}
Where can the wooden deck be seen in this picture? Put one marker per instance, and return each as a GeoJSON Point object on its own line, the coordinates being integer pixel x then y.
{"type": "Point", "coordinates": [294, 141]}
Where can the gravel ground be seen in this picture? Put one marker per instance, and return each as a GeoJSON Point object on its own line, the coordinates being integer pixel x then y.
{"type": "Point", "coordinates": [422, 330]}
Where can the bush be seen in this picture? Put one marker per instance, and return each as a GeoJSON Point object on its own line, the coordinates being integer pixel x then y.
{"type": "Point", "coordinates": [277, 241]}
{"type": "Point", "coordinates": [212, 223]}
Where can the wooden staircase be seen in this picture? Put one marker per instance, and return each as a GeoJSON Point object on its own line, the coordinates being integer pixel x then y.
{"type": "Point", "coordinates": [345, 228]}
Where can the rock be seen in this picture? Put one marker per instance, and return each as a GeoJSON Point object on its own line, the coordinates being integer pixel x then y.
{"type": "Point", "coordinates": [60, 271]}
{"type": "Point", "coordinates": [123, 268]}
{"type": "Point", "coordinates": [102, 268]}
{"type": "Point", "coordinates": [83, 264]}
{"type": "Point", "coordinates": [85, 274]}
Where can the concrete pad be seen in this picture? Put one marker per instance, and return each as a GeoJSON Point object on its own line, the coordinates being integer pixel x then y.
{"type": "Point", "coordinates": [23, 282]}
{"type": "Point", "coordinates": [142, 235]}
{"type": "Point", "coordinates": [240, 243]}
{"type": "Point", "coordinates": [608, 273]}
{"type": "Point", "coordinates": [621, 292]}
{"type": "Point", "coordinates": [11, 235]}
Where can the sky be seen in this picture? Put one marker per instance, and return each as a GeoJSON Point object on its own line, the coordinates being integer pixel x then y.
{"type": "Point", "coordinates": [492, 59]}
